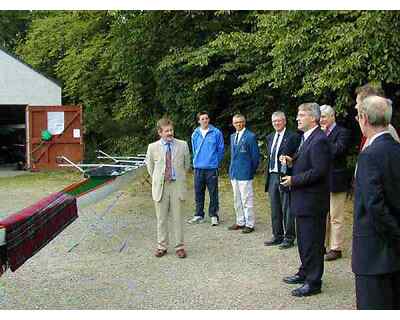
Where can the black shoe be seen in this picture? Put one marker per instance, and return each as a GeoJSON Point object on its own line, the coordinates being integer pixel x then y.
{"type": "Point", "coordinates": [247, 230]}
{"type": "Point", "coordinates": [305, 290]}
{"type": "Point", "coordinates": [286, 244]}
{"type": "Point", "coordinates": [273, 242]}
{"type": "Point", "coordinates": [296, 279]}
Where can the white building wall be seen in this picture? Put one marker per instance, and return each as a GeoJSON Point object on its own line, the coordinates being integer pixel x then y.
{"type": "Point", "coordinates": [19, 84]}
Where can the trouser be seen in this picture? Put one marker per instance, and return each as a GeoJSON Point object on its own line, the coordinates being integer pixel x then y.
{"type": "Point", "coordinates": [377, 292]}
{"type": "Point", "coordinates": [283, 225]}
{"type": "Point", "coordinates": [206, 178]}
{"type": "Point", "coordinates": [170, 204]}
{"type": "Point", "coordinates": [310, 241]}
{"type": "Point", "coordinates": [335, 222]}
{"type": "Point", "coordinates": [243, 202]}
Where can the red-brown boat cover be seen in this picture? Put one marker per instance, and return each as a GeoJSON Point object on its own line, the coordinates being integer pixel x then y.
{"type": "Point", "coordinates": [30, 229]}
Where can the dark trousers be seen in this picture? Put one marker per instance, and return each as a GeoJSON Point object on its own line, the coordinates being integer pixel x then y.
{"type": "Point", "coordinates": [310, 241]}
{"type": "Point", "coordinates": [283, 225]}
{"type": "Point", "coordinates": [378, 292]}
{"type": "Point", "coordinates": [206, 178]}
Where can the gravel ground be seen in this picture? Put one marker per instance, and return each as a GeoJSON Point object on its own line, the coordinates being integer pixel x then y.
{"type": "Point", "coordinates": [224, 269]}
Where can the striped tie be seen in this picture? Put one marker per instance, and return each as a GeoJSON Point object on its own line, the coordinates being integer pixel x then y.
{"type": "Point", "coordinates": [168, 163]}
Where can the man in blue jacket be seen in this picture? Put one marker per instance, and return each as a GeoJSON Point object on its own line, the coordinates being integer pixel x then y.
{"type": "Point", "coordinates": [208, 152]}
{"type": "Point", "coordinates": [245, 158]}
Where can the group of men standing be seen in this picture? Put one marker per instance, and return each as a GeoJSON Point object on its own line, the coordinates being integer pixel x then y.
{"type": "Point", "coordinates": [307, 181]}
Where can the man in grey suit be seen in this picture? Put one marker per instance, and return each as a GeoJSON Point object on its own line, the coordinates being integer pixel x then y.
{"type": "Point", "coordinates": [167, 161]}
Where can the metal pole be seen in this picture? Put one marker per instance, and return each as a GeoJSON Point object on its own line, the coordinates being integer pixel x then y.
{"type": "Point", "coordinates": [71, 164]}
{"type": "Point", "coordinates": [107, 155]}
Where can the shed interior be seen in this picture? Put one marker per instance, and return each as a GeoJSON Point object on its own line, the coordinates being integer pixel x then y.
{"type": "Point", "coordinates": [12, 136]}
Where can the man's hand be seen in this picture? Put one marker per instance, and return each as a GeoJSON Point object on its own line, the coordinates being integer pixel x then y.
{"type": "Point", "coordinates": [286, 160]}
{"type": "Point", "coordinates": [286, 181]}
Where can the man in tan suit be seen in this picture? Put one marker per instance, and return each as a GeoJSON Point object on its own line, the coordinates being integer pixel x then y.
{"type": "Point", "coordinates": [167, 161]}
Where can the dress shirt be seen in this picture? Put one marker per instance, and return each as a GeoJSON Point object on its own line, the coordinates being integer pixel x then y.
{"type": "Point", "coordinates": [172, 146]}
{"type": "Point", "coordinates": [240, 133]}
{"type": "Point", "coordinates": [330, 129]}
{"type": "Point", "coordinates": [307, 133]}
{"type": "Point", "coordinates": [281, 134]}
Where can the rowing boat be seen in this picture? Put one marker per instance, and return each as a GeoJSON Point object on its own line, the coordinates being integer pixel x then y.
{"type": "Point", "coordinates": [102, 180]}
{"type": "Point", "coordinates": [24, 233]}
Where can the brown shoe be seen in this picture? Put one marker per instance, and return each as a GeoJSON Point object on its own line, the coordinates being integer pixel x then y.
{"type": "Point", "coordinates": [247, 230]}
{"type": "Point", "coordinates": [235, 227]}
{"type": "Point", "coordinates": [160, 252]}
{"type": "Point", "coordinates": [333, 255]}
{"type": "Point", "coordinates": [181, 253]}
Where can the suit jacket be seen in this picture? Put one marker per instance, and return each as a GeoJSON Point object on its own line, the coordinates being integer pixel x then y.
{"type": "Point", "coordinates": [339, 140]}
{"type": "Point", "coordinates": [155, 161]}
{"type": "Point", "coordinates": [245, 156]}
{"type": "Point", "coordinates": [310, 192]}
{"type": "Point", "coordinates": [376, 226]}
{"type": "Point", "coordinates": [289, 145]}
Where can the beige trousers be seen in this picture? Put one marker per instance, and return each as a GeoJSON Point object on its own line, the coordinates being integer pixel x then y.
{"type": "Point", "coordinates": [170, 204]}
{"type": "Point", "coordinates": [335, 222]}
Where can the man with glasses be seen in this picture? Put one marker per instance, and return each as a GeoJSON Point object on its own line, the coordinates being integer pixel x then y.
{"type": "Point", "coordinates": [245, 158]}
{"type": "Point", "coordinates": [339, 139]}
{"type": "Point", "coordinates": [280, 142]}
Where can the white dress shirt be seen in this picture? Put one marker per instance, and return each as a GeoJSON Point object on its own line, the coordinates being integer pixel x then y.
{"type": "Point", "coordinates": [281, 134]}
{"type": "Point", "coordinates": [307, 133]}
{"type": "Point", "coordinates": [240, 133]}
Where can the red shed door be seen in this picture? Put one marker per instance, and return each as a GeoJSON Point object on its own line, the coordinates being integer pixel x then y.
{"type": "Point", "coordinates": [65, 125]}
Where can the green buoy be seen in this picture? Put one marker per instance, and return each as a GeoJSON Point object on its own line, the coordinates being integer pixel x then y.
{"type": "Point", "coordinates": [46, 135]}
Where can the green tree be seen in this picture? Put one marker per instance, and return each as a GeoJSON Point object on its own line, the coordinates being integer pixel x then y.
{"type": "Point", "coordinates": [13, 25]}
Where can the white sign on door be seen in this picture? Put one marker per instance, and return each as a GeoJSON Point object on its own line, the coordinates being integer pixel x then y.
{"type": "Point", "coordinates": [76, 133]}
{"type": "Point", "coordinates": [55, 122]}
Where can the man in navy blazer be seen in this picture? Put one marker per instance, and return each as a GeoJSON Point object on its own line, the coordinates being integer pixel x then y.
{"type": "Point", "coordinates": [245, 158]}
{"type": "Point", "coordinates": [280, 142]}
{"type": "Point", "coordinates": [376, 228]}
{"type": "Point", "coordinates": [339, 139]}
{"type": "Point", "coordinates": [310, 190]}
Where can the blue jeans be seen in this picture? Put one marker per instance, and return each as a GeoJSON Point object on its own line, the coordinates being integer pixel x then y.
{"type": "Point", "coordinates": [203, 178]}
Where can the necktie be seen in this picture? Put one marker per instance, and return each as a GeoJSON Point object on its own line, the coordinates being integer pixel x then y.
{"type": "Point", "coordinates": [328, 131]}
{"type": "Point", "coordinates": [237, 138]}
{"type": "Point", "coordinates": [168, 163]}
{"type": "Point", "coordinates": [273, 154]}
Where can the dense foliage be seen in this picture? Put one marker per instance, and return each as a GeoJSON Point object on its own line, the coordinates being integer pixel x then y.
{"type": "Point", "coordinates": [128, 68]}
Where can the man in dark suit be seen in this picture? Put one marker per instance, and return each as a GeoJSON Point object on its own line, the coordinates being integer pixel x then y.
{"type": "Point", "coordinates": [376, 229]}
{"type": "Point", "coordinates": [281, 142]}
{"type": "Point", "coordinates": [245, 158]}
{"type": "Point", "coordinates": [309, 199]}
{"type": "Point", "coordinates": [339, 139]}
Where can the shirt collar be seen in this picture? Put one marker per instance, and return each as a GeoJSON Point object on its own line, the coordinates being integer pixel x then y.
{"type": "Point", "coordinates": [163, 142]}
{"type": "Point", "coordinates": [373, 138]}
{"type": "Point", "coordinates": [281, 133]}
{"type": "Point", "coordinates": [308, 132]}
{"type": "Point", "coordinates": [330, 129]}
